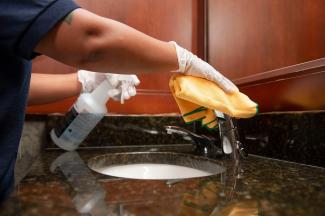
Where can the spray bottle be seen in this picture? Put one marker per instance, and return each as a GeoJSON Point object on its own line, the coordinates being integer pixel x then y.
{"type": "Point", "coordinates": [84, 115]}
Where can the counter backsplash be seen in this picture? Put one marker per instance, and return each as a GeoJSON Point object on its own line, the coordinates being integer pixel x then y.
{"type": "Point", "coordinates": [131, 131]}
{"type": "Point", "coordinates": [297, 137]}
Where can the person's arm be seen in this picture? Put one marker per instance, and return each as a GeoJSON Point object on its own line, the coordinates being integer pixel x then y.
{"type": "Point", "coordinates": [48, 88]}
{"type": "Point", "coordinates": [88, 41]}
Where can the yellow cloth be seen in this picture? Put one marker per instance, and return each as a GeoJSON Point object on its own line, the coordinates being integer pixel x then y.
{"type": "Point", "coordinates": [197, 98]}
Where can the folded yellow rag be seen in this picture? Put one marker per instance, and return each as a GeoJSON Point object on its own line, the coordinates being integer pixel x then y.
{"type": "Point", "coordinates": [197, 99]}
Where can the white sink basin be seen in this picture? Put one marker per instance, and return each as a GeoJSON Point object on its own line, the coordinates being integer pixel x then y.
{"type": "Point", "coordinates": [154, 166]}
{"type": "Point", "coordinates": [152, 171]}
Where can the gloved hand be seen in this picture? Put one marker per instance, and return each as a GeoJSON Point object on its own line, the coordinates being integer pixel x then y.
{"type": "Point", "coordinates": [190, 64]}
{"type": "Point", "coordinates": [122, 86]}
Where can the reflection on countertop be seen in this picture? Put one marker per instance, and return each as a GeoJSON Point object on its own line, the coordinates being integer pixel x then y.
{"type": "Point", "coordinates": [62, 184]}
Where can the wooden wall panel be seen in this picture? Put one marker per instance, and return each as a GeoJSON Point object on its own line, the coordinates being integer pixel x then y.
{"type": "Point", "coordinates": [294, 88]}
{"type": "Point", "coordinates": [166, 20]}
{"type": "Point", "coordinates": [297, 93]}
{"type": "Point", "coordinates": [256, 37]}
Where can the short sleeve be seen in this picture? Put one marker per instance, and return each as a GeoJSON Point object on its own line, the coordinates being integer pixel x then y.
{"type": "Point", "coordinates": [23, 23]}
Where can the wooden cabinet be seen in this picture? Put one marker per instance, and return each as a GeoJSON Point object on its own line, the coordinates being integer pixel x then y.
{"type": "Point", "coordinates": [166, 20]}
{"type": "Point", "coordinates": [274, 50]}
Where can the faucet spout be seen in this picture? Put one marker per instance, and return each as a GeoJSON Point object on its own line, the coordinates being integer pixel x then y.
{"type": "Point", "coordinates": [229, 136]}
{"type": "Point", "coordinates": [204, 145]}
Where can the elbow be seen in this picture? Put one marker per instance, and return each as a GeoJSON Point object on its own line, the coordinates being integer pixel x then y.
{"type": "Point", "coordinates": [98, 48]}
{"type": "Point", "coordinates": [90, 52]}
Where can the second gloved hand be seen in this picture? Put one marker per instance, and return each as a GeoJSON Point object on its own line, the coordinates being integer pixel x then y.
{"type": "Point", "coordinates": [190, 64]}
{"type": "Point", "coordinates": [122, 85]}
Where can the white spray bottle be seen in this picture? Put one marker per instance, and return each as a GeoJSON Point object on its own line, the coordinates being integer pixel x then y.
{"type": "Point", "coordinates": [84, 115]}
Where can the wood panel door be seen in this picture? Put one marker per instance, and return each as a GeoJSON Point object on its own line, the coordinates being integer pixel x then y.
{"type": "Point", "coordinates": [166, 20]}
{"type": "Point", "coordinates": [274, 50]}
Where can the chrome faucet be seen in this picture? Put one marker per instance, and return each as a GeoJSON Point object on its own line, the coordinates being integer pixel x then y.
{"type": "Point", "coordinates": [204, 145]}
{"type": "Point", "coordinates": [229, 136]}
{"type": "Point", "coordinates": [208, 146]}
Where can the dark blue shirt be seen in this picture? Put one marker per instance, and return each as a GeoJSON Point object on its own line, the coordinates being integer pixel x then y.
{"type": "Point", "coordinates": [23, 23]}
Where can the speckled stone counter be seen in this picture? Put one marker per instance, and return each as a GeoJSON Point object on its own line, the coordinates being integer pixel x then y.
{"type": "Point", "coordinates": [60, 183]}
{"type": "Point", "coordinates": [256, 186]}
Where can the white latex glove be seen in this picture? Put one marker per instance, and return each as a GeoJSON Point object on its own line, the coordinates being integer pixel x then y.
{"type": "Point", "coordinates": [190, 64]}
{"type": "Point", "coordinates": [122, 85]}
{"type": "Point", "coordinates": [125, 84]}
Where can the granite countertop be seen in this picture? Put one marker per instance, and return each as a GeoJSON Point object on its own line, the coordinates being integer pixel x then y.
{"type": "Point", "coordinates": [257, 186]}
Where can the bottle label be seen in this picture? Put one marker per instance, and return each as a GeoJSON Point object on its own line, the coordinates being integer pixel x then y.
{"type": "Point", "coordinates": [76, 126]}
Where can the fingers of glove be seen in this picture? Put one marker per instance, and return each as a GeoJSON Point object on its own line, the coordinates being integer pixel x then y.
{"type": "Point", "coordinates": [132, 91]}
{"type": "Point", "coordinates": [231, 87]}
{"type": "Point", "coordinates": [127, 92]}
{"type": "Point", "coordinates": [116, 80]}
{"type": "Point", "coordinates": [134, 80]}
{"type": "Point", "coordinates": [222, 81]}
{"type": "Point", "coordinates": [126, 95]}
{"type": "Point", "coordinates": [120, 93]}
{"type": "Point", "coordinates": [124, 90]}
{"type": "Point", "coordinates": [129, 78]}
{"type": "Point", "coordinates": [123, 97]}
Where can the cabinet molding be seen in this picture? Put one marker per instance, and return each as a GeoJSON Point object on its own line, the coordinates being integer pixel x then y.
{"type": "Point", "coordinates": [310, 67]}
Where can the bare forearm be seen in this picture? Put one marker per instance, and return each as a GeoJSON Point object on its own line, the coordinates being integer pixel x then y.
{"type": "Point", "coordinates": [99, 44]}
{"type": "Point", "coordinates": [133, 52]}
{"type": "Point", "coordinates": [47, 88]}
